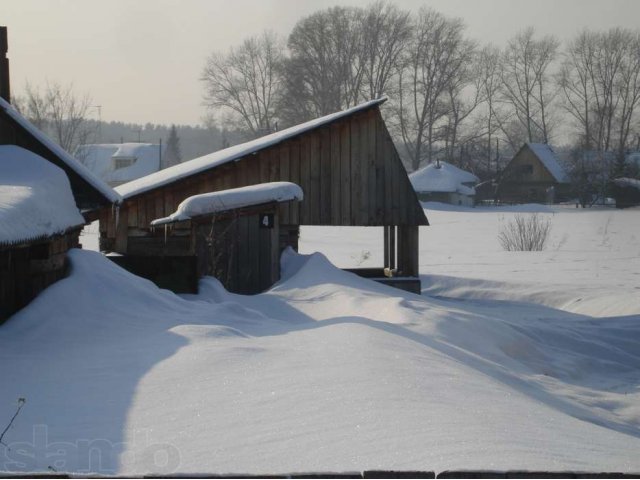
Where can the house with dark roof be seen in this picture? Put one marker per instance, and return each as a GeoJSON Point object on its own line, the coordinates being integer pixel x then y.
{"type": "Point", "coordinates": [534, 175]}
{"type": "Point", "coordinates": [346, 165]}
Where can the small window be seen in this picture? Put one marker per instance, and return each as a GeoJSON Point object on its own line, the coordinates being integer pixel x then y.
{"type": "Point", "coordinates": [526, 169]}
{"type": "Point", "coordinates": [119, 163]}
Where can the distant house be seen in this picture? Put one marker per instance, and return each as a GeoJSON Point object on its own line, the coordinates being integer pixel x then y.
{"type": "Point", "coordinates": [534, 175]}
{"type": "Point", "coordinates": [443, 182]}
{"type": "Point", "coordinates": [118, 163]}
{"type": "Point", "coordinates": [347, 167]}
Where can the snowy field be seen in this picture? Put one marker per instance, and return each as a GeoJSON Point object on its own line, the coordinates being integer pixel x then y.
{"type": "Point", "coordinates": [508, 360]}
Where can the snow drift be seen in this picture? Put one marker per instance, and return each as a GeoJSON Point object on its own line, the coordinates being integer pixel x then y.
{"type": "Point", "coordinates": [327, 371]}
{"type": "Point", "coordinates": [35, 197]}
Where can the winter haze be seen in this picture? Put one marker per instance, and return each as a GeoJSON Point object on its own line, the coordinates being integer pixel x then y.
{"type": "Point", "coordinates": [142, 60]}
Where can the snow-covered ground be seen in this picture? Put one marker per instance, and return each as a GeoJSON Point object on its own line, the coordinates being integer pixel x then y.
{"type": "Point", "coordinates": [591, 264]}
{"type": "Point", "coordinates": [498, 365]}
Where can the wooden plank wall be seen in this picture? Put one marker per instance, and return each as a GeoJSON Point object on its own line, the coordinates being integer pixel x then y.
{"type": "Point", "coordinates": [349, 171]}
{"type": "Point", "coordinates": [243, 256]}
{"type": "Point", "coordinates": [28, 269]}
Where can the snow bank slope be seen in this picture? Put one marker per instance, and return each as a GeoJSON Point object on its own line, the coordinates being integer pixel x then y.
{"type": "Point", "coordinates": [326, 371]}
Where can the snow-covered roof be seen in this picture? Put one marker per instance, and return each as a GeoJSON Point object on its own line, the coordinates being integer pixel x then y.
{"type": "Point", "coordinates": [100, 159]}
{"type": "Point", "coordinates": [66, 158]}
{"type": "Point", "coordinates": [548, 158]}
{"type": "Point", "coordinates": [627, 182]}
{"type": "Point", "coordinates": [197, 165]}
{"type": "Point", "coordinates": [443, 178]}
{"type": "Point", "coordinates": [224, 200]}
{"type": "Point", "coordinates": [35, 197]}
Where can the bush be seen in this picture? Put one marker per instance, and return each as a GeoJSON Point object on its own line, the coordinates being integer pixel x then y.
{"type": "Point", "coordinates": [525, 233]}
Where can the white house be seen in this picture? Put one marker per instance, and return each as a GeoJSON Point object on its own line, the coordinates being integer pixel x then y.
{"type": "Point", "coordinates": [118, 163]}
{"type": "Point", "coordinates": [443, 182]}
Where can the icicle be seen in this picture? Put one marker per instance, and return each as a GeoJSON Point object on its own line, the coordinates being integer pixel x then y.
{"type": "Point", "coordinates": [165, 233]}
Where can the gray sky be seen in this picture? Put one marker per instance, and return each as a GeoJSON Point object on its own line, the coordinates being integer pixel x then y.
{"type": "Point", "coordinates": [141, 59]}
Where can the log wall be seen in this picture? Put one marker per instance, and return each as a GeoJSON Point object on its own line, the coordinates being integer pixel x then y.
{"type": "Point", "coordinates": [27, 269]}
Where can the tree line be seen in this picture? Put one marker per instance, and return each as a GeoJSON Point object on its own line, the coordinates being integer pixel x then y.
{"type": "Point", "coordinates": [450, 97]}
{"type": "Point", "coordinates": [71, 119]}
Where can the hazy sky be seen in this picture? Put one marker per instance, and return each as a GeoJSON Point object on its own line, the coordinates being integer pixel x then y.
{"type": "Point", "coordinates": [141, 60]}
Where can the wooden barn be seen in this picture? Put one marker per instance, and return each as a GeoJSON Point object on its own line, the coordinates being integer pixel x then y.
{"type": "Point", "coordinates": [345, 163]}
{"type": "Point", "coordinates": [42, 195]}
{"type": "Point", "coordinates": [534, 175]}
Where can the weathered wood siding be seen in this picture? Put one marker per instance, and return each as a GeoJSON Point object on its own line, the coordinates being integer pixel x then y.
{"type": "Point", "coordinates": [238, 252]}
{"type": "Point", "coordinates": [27, 269]}
{"type": "Point", "coordinates": [349, 171]}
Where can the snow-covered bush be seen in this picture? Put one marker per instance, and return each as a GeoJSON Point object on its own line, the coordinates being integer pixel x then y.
{"type": "Point", "coordinates": [525, 233]}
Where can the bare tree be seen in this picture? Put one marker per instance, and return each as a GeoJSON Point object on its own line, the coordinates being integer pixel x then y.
{"type": "Point", "coordinates": [325, 70]}
{"type": "Point", "coordinates": [527, 85]}
{"type": "Point", "coordinates": [489, 65]}
{"type": "Point", "coordinates": [627, 89]}
{"type": "Point", "coordinates": [386, 29]}
{"type": "Point", "coordinates": [600, 81]}
{"type": "Point", "coordinates": [245, 82]}
{"type": "Point", "coordinates": [434, 60]}
{"type": "Point", "coordinates": [464, 94]}
{"type": "Point", "coordinates": [60, 112]}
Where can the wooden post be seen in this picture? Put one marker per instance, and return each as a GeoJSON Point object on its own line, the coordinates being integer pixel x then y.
{"type": "Point", "coordinates": [386, 246]}
{"type": "Point", "coordinates": [5, 90]}
{"type": "Point", "coordinates": [392, 247]}
{"type": "Point", "coordinates": [408, 247]}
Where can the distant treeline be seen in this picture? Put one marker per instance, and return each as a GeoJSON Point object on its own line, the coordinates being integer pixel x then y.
{"type": "Point", "coordinates": [195, 141]}
{"type": "Point", "coordinates": [450, 96]}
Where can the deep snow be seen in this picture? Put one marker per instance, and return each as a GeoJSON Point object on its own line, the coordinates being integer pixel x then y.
{"type": "Point", "coordinates": [327, 371]}
{"type": "Point", "coordinates": [35, 197]}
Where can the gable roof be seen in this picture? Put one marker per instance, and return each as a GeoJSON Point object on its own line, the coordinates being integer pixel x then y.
{"type": "Point", "coordinates": [548, 158]}
{"type": "Point", "coordinates": [80, 176]}
{"type": "Point", "coordinates": [215, 159]}
{"type": "Point", "coordinates": [35, 198]}
{"type": "Point", "coordinates": [99, 158]}
{"type": "Point", "coordinates": [445, 178]}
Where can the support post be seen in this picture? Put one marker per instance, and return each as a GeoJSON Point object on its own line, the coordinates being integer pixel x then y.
{"type": "Point", "coordinates": [408, 250]}
{"type": "Point", "coordinates": [386, 246]}
{"type": "Point", "coordinates": [392, 247]}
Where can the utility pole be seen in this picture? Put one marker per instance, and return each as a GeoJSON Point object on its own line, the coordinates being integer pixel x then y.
{"type": "Point", "coordinates": [99, 108]}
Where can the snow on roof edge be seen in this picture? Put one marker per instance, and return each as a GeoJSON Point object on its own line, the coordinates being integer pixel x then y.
{"type": "Point", "coordinates": [220, 157]}
{"type": "Point", "coordinates": [75, 165]}
{"type": "Point", "coordinates": [36, 201]}
{"type": "Point", "coordinates": [627, 182]}
{"type": "Point", "coordinates": [232, 199]}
